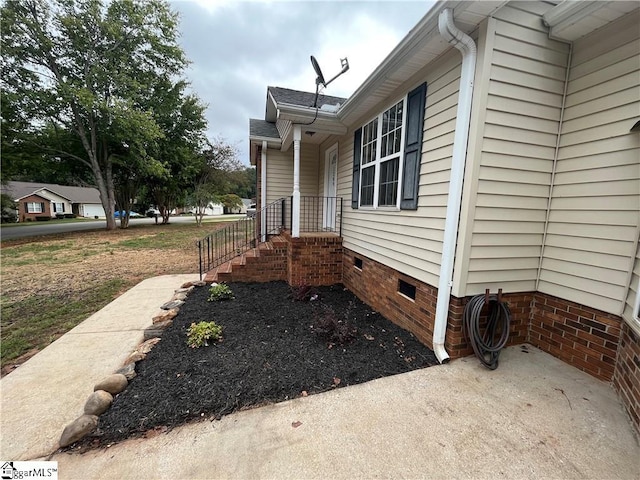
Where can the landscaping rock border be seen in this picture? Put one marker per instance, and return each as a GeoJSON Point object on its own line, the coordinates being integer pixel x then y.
{"type": "Point", "coordinates": [110, 386]}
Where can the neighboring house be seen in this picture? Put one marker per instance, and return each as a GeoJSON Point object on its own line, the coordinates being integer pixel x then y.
{"type": "Point", "coordinates": [492, 149]}
{"type": "Point", "coordinates": [46, 199]}
{"type": "Point", "coordinates": [211, 209]}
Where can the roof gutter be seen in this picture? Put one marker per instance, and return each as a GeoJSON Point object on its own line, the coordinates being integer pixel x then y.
{"type": "Point", "coordinates": [416, 37]}
{"type": "Point", "coordinates": [467, 47]}
{"type": "Point", "coordinates": [286, 110]}
{"type": "Point", "coordinates": [322, 120]}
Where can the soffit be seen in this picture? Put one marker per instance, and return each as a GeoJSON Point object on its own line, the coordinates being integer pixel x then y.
{"type": "Point", "coordinates": [571, 20]}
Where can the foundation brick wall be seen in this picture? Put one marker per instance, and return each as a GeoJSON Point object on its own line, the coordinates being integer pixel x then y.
{"type": "Point", "coordinates": [377, 286]}
{"type": "Point", "coordinates": [581, 336]}
{"type": "Point", "coordinates": [314, 260]}
{"type": "Point", "coordinates": [519, 305]}
{"type": "Point", "coordinates": [626, 377]}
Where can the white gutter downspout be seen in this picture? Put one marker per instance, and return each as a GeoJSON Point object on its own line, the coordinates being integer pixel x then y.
{"type": "Point", "coordinates": [467, 47]}
{"type": "Point", "coordinates": [295, 207]}
{"type": "Point", "coordinates": [263, 191]}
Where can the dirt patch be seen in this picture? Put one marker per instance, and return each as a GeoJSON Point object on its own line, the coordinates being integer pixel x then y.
{"type": "Point", "coordinates": [271, 351]}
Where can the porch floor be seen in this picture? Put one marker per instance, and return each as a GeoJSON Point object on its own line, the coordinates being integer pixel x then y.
{"type": "Point", "coordinates": [533, 417]}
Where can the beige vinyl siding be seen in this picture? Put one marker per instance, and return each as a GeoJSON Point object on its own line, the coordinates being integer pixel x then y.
{"type": "Point", "coordinates": [591, 244]}
{"type": "Point", "coordinates": [280, 172]}
{"type": "Point", "coordinates": [508, 184]}
{"type": "Point", "coordinates": [409, 241]}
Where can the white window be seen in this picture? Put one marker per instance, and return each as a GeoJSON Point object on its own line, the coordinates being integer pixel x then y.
{"type": "Point", "coordinates": [381, 150]}
{"type": "Point", "coordinates": [58, 207]}
{"type": "Point", "coordinates": [34, 207]}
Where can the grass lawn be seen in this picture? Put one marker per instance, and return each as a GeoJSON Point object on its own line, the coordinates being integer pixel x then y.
{"type": "Point", "coordinates": [50, 284]}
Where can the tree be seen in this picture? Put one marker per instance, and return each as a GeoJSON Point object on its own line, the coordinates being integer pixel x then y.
{"type": "Point", "coordinates": [231, 201]}
{"type": "Point", "coordinates": [202, 196]}
{"type": "Point", "coordinates": [243, 182]}
{"type": "Point", "coordinates": [181, 117]}
{"type": "Point", "coordinates": [87, 67]}
{"type": "Point", "coordinates": [217, 163]}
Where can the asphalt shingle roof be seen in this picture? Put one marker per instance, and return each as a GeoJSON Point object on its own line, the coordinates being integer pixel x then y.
{"type": "Point", "coordinates": [303, 99]}
{"type": "Point", "coordinates": [73, 194]}
{"type": "Point", "coordinates": [262, 128]}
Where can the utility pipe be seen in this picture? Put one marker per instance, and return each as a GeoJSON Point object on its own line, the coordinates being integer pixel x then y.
{"type": "Point", "coordinates": [263, 192]}
{"type": "Point", "coordinates": [463, 42]}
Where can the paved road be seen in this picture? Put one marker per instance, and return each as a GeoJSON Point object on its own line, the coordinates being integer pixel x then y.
{"type": "Point", "coordinates": [45, 228]}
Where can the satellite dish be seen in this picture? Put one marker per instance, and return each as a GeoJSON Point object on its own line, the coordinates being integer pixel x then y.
{"type": "Point", "coordinates": [320, 78]}
{"type": "Point", "coordinates": [344, 63]}
{"type": "Point", "coordinates": [316, 67]}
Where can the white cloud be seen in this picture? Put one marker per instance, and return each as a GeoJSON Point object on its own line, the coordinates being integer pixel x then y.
{"type": "Point", "coordinates": [238, 48]}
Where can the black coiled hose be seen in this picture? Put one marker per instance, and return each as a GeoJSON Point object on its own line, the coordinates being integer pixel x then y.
{"type": "Point", "coordinates": [488, 341]}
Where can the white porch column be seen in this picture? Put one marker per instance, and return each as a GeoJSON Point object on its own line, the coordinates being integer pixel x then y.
{"type": "Point", "coordinates": [295, 221]}
{"type": "Point", "coordinates": [263, 191]}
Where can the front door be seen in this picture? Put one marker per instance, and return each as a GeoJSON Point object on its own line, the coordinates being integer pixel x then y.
{"type": "Point", "coordinates": [330, 189]}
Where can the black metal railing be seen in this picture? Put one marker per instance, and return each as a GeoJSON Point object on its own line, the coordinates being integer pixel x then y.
{"type": "Point", "coordinates": [240, 236]}
{"type": "Point", "coordinates": [317, 214]}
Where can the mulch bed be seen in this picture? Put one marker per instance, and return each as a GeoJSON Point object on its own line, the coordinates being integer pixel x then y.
{"type": "Point", "coordinates": [271, 351]}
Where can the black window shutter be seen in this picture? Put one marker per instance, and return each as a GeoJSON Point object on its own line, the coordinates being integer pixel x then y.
{"type": "Point", "coordinates": [62, 207]}
{"type": "Point", "coordinates": [42, 207]}
{"type": "Point", "coordinates": [26, 207]}
{"type": "Point", "coordinates": [412, 148]}
{"type": "Point", "coordinates": [357, 150]}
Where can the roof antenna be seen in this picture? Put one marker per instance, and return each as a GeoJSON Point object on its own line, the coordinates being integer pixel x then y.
{"type": "Point", "coordinates": [320, 79]}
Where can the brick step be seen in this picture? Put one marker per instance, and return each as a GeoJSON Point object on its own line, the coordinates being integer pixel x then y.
{"type": "Point", "coordinates": [278, 241]}
{"type": "Point", "coordinates": [248, 264]}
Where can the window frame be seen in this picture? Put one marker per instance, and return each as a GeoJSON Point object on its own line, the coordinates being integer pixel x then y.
{"type": "Point", "coordinates": [378, 160]}
{"type": "Point", "coordinates": [31, 209]}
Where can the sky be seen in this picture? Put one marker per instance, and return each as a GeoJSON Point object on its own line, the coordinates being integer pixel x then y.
{"type": "Point", "coordinates": [238, 48]}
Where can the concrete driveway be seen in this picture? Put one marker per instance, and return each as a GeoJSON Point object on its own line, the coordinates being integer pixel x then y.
{"type": "Point", "coordinates": [533, 417]}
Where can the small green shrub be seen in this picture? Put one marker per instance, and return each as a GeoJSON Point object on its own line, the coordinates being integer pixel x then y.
{"type": "Point", "coordinates": [220, 291]}
{"type": "Point", "coordinates": [200, 333]}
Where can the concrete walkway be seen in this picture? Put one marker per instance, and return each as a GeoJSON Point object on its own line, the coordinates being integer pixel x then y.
{"type": "Point", "coordinates": [534, 417]}
{"type": "Point", "coordinates": [49, 390]}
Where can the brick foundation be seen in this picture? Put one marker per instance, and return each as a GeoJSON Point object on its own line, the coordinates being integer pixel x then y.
{"type": "Point", "coordinates": [315, 259]}
{"type": "Point", "coordinates": [581, 336]}
{"type": "Point", "coordinates": [377, 285]}
{"type": "Point", "coordinates": [456, 342]}
{"type": "Point", "coordinates": [626, 377]}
